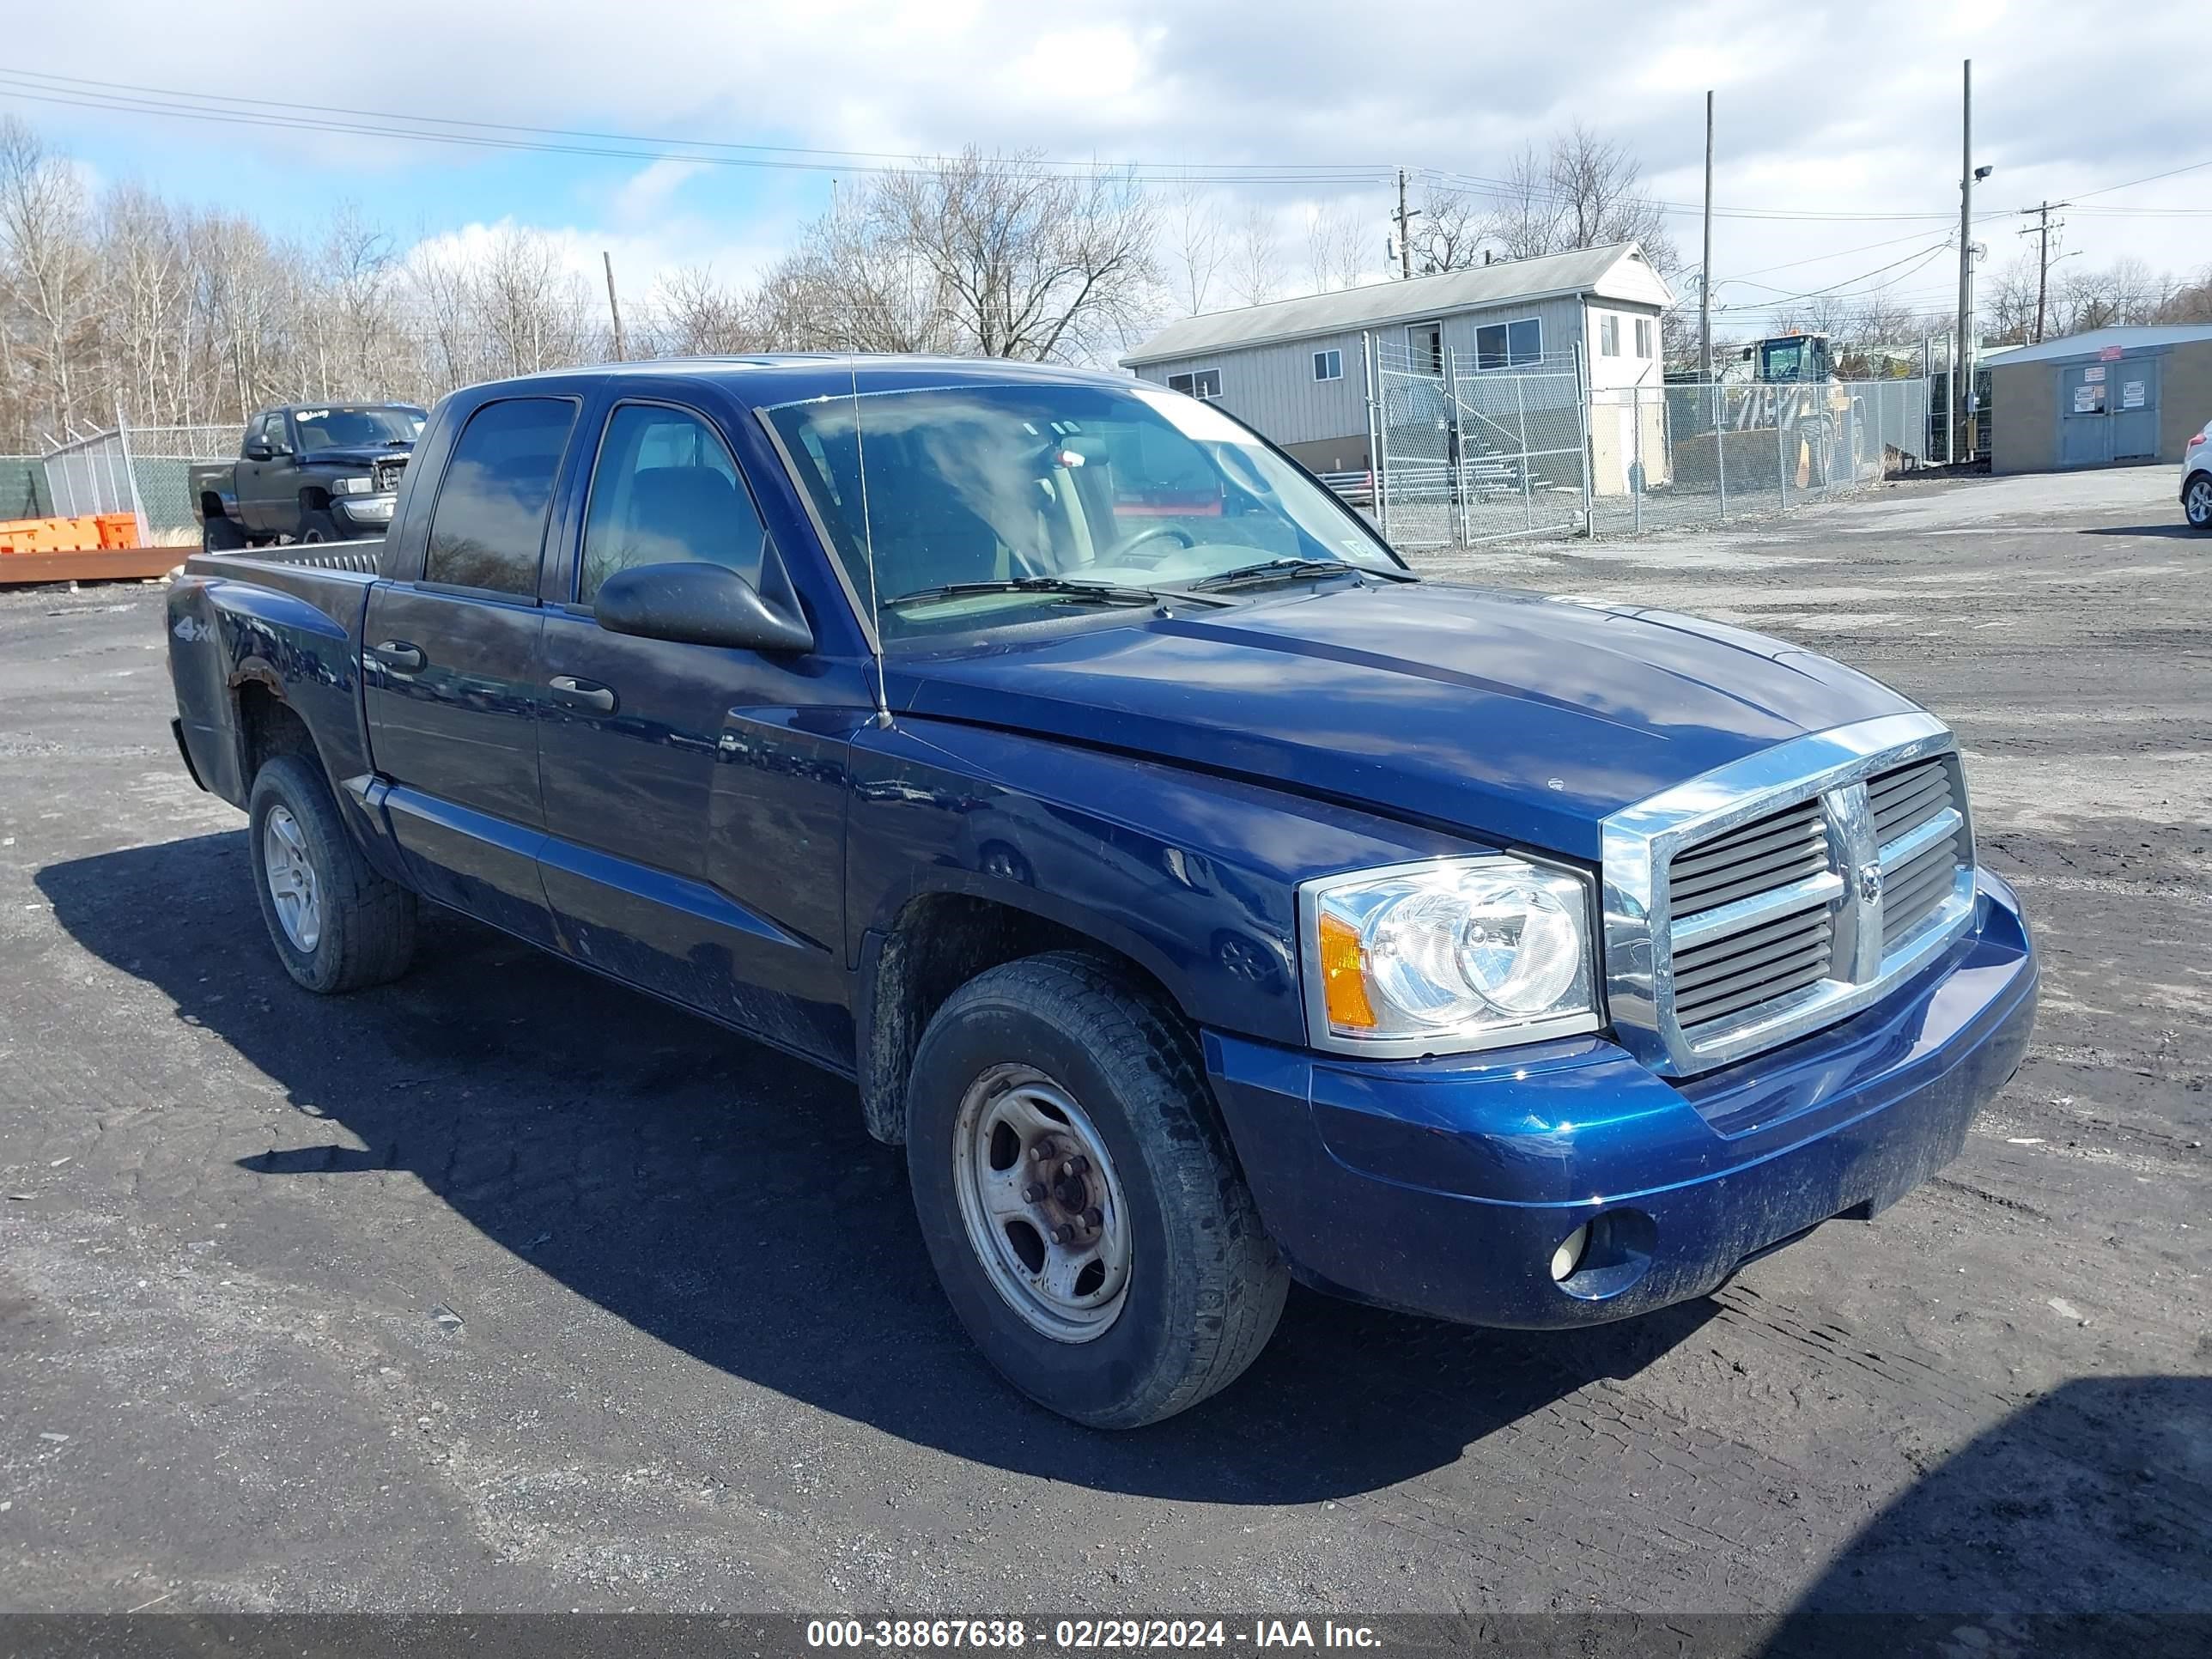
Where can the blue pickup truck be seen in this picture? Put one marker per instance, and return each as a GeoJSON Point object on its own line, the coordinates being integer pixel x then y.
{"type": "Point", "coordinates": [1203, 901]}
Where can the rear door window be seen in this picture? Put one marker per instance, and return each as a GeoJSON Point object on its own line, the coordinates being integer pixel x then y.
{"type": "Point", "coordinates": [666, 491]}
{"type": "Point", "coordinates": [488, 527]}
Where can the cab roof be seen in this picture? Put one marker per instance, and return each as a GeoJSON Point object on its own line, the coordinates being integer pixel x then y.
{"type": "Point", "coordinates": [795, 377]}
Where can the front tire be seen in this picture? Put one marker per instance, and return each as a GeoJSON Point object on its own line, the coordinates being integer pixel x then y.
{"type": "Point", "coordinates": [336, 924]}
{"type": "Point", "coordinates": [317, 526]}
{"type": "Point", "coordinates": [2196, 503]}
{"type": "Point", "coordinates": [1079, 1198]}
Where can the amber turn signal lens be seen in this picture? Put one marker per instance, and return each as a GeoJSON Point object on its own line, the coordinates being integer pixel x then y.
{"type": "Point", "coordinates": [1343, 981]}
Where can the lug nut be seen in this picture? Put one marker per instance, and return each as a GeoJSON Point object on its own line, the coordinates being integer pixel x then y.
{"type": "Point", "coordinates": [1094, 1218]}
{"type": "Point", "coordinates": [1076, 1166]}
{"type": "Point", "coordinates": [1033, 1192]}
{"type": "Point", "coordinates": [1045, 1151]}
{"type": "Point", "coordinates": [1063, 1234]}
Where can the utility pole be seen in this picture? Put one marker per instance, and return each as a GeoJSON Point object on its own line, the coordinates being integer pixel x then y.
{"type": "Point", "coordinates": [614, 306]}
{"type": "Point", "coordinates": [2041, 231]}
{"type": "Point", "coordinates": [1962, 375]}
{"type": "Point", "coordinates": [1705, 271]}
{"type": "Point", "coordinates": [1405, 224]}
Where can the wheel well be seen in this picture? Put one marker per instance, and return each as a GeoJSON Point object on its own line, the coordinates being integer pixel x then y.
{"type": "Point", "coordinates": [312, 500]}
{"type": "Point", "coordinates": [211, 505]}
{"type": "Point", "coordinates": [939, 942]}
{"type": "Point", "coordinates": [267, 726]}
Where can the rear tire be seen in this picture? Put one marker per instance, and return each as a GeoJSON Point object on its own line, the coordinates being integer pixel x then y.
{"type": "Point", "coordinates": [336, 924]}
{"type": "Point", "coordinates": [2196, 503]}
{"type": "Point", "coordinates": [220, 534]}
{"type": "Point", "coordinates": [1185, 1286]}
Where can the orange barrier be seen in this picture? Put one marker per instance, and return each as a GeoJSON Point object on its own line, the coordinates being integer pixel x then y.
{"type": "Point", "coordinates": [92, 533]}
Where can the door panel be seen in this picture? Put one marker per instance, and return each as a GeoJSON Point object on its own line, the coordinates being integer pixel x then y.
{"type": "Point", "coordinates": [457, 737]}
{"type": "Point", "coordinates": [2133, 403]}
{"type": "Point", "coordinates": [453, 679]}
{"type": "Point", "coordinates": [694, 794]}
{"type": "Point", "coordinates": [2085, 431]}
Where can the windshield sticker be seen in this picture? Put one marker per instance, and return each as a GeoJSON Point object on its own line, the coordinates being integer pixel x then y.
{"type": "Point", "coordinates": [311, 414]}
{"type": "Point", "coordinates": [1194, 419]}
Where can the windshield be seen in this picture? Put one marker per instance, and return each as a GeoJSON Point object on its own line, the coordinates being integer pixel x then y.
{"type": "Point", "coordinates": [1051, 486]}
{"type": "Point", "coordinates": [357, 428]}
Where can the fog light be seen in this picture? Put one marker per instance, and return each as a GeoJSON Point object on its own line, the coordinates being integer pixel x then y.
{"type": "Point", "coordinates": [1568, 1256]}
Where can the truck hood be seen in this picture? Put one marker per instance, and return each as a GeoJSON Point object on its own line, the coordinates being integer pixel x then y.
{"type": "Point", "coordinates": [354, 455]}
{"type": "Point", "coordinates": [1510, 717]}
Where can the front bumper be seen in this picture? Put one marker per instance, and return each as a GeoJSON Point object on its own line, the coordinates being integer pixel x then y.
{"type": "Point", "coordinates": [1444, 1185]}
{"type": "Point", "coordinates": [364, 514]}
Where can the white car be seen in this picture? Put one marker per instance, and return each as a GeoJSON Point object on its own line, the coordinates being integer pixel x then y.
{"type": "Point", "coordinates": [2196, 479]}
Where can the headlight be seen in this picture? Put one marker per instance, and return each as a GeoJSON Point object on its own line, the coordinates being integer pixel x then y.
{"type": "Point", "coordinates": [350, 486]}
{"type": "Point", "coordinates": [1447, 955]}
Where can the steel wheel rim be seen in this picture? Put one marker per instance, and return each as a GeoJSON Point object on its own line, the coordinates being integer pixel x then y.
{"type": "Point", "coordinates": [291, 875]}
{"type": "Point", "coordinates": [1059, 1260]}
{"type": "Point", "coordinates": [2200, 501]}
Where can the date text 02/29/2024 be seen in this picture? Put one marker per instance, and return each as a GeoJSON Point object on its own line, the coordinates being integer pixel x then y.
{"type": "Point", "coordinates": [1085, 1635]}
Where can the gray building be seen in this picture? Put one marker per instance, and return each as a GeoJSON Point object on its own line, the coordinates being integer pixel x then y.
{"type": "Point", "coordinates": [1296, 369]}
{"type": "Point", "coordinates": [2135, 393]}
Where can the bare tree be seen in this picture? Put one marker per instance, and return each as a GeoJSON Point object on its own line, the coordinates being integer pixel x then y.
{"type": "Point", "coordinates": [52, 281]}
{"type": "Point", "coordinates": [1201, 246]}
{"type": "Point", "coordinates": [1450, 228]}
{"type": "Point", "coordinates": [1256, 258]}
{"type": "Point", "coordinates": [1335, 247]}
{"type": "Point", "coordinates": [1028, 262]}
{"type": "Point", "coordinates": [691, 314]}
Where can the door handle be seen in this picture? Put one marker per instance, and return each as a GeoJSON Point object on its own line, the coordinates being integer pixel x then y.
{"type": "Point", "coordinates": [582, 694]}
{"type": "Point", "coordinates": [398, 653]}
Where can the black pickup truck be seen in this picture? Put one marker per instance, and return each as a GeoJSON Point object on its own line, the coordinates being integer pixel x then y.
{"type": "Point", "coordinates": [307, 472]}
{"type": "Point", "coordinates": [1201, 898]}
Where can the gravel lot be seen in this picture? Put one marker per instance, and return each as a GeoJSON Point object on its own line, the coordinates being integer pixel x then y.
{"type": "Point", "coordinates": [500, 1288]}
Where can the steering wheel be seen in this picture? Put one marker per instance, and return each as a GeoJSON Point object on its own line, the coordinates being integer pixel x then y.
{"type": "Point", "coordinates": [1156, 532]}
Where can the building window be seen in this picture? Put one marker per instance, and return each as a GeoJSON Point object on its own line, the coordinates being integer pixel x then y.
{"type": "Point", "coordinates": [1328, 365]}
{"type": "Point", "coordinates": [1644, 337]}
{"type": "Point", "coordinates": [1608, 335]}
{"type": "Point", "coordinates": [1204, 383]}
{"type": "Point", "coordinates": [1509, 345]}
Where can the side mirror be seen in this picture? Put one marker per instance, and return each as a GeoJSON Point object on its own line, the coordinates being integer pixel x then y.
{"type": "Point", "coordinates": [257, 451]}
{"type": "Point", "coordinates": [696, 604]}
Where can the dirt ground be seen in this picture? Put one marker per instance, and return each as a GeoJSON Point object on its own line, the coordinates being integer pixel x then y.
{"type": "Point", "coordinates": [500, 1288]}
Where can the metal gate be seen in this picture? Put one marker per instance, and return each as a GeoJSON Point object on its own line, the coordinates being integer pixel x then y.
{"type": "Point", "coordinates": [2107, 412]}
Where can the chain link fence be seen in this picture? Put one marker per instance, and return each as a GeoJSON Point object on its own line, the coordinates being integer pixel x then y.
{"type": "Point", "coordinates": [145, 470]}
{"type": "Point", "coordinates": [1466, 454]}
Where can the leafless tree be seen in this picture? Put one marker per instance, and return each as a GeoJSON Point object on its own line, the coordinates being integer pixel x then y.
{"type": "Point", "coordinates": [1256, 258]}
{"type": "Point", "coordinates": [1028, 262]}
{"type": "Point", "coordinates": [52, 278]}
{"type": "Point", "coordinates": [1448, 232]}
{"type": "Point", "coordinates": [693, 314]}
{"type": "Point", "coordinates": [1201, 247]}
{"type": "Point", "coordinates": [1335, 247]}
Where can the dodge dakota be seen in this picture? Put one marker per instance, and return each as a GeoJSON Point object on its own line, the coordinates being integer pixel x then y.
{"type": "Point", "coordinates": [1202, 901]}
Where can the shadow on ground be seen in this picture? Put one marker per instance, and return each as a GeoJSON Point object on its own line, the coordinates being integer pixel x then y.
{"type": "Point", "coordinates": [2177, 530]}
{"type": "Point", "coordinates": [2077, 1525]}
{"type": "Point", "coordinates": [726, 1201]}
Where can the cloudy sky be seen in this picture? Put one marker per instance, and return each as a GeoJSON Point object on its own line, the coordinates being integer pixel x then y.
{"type": "Point", "coordinates": [1838, 145]}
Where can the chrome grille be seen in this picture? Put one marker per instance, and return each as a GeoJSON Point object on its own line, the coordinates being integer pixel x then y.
{"type": "Point", "coordinates": [1916, 827]}
{"type": "Point", "coordinates": [386, 473]}
{"type": "Point", "coordinates": [1785, 891]}
{"type": "Point", "coordinates": [1751, 915]}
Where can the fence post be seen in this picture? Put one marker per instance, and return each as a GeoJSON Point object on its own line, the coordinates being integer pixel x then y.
{"type": "Point", "coordinates": [1720, 445]}
{"type": "Point", "coordinates": [1636, 457]}
{"type": "Point", "coordinates": [1383, 448]}
{"type": "Point", "coordinates": [1455, 445]}
{"type": "Point", "coordinates": [1781, 454]}
{"type": "Point", "coordinates": [1521, 415]}
{"type": "Point", "coordinates": [1588, 452]}
{"type": "Point", "coordinates": [1374, 439]}
{"type": "Point", "coordinates": [130, 473]}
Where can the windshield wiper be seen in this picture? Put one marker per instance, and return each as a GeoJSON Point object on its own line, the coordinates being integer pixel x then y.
{"type": "Point", "coordinates": [1283, 569]}
{"type": "Point", "coordinates": [1059, 587]}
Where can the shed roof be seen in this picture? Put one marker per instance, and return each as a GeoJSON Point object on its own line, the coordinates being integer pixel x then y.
{"type": "Point", "coordinates": [2133, 338]}
{"type": "Point", "coordinates": [1619, 272]}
